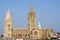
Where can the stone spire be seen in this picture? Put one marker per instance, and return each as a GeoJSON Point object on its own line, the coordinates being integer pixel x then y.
{"type": "Point", "coordinates": [31, 10]}
{"type": "Point", "coordinates": [8, 14]}
{"type": "Point", "coordinates": [39, 25]}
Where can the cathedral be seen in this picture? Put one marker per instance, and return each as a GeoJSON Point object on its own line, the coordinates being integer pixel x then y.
{"type": "Point", "coordinates": [31, 32]}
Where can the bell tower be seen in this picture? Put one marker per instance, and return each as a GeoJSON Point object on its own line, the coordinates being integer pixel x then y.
{"type": "Point", "coordinates": [7, 25]}
{"type": "Point", "coordinates": [31, 19]}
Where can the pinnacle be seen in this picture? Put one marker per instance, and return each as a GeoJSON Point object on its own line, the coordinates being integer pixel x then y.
{"type": "Point", "coordinates": [8, 14]}
{"type": "Point", "coordinates": [31, 10]}
{"type": "Point", "coordinates": [39, 25]}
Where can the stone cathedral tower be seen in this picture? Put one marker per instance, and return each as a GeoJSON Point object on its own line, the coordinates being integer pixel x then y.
{"type": "Point", "coordinates": [31, 19]}
{"type": "Point", "coordinates": [7, 25]}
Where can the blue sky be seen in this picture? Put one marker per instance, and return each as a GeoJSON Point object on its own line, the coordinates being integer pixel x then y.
{"type": "Point", "coordinates": [47, 12]}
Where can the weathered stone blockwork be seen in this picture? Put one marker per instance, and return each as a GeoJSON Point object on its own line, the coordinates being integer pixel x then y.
{"type": "Point", "coordinates": [31, 32]}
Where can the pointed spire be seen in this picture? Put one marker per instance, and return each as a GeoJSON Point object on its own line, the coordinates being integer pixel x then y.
{"type": "Point", "coordinates": [8, 14]}
{"type": "Point", "coordinates": [31, 10]}
{"type": "Point", "coordinates": [39, 25]}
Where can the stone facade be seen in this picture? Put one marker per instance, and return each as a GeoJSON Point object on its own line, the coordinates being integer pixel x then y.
{"type": "Point", "coordinates": [31, 32]}
{"type": "Point", "coordinates": [7, 25]}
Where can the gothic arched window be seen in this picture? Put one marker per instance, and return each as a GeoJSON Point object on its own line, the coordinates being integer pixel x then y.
{"type": "Point", "coordinates": [9, 27]}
